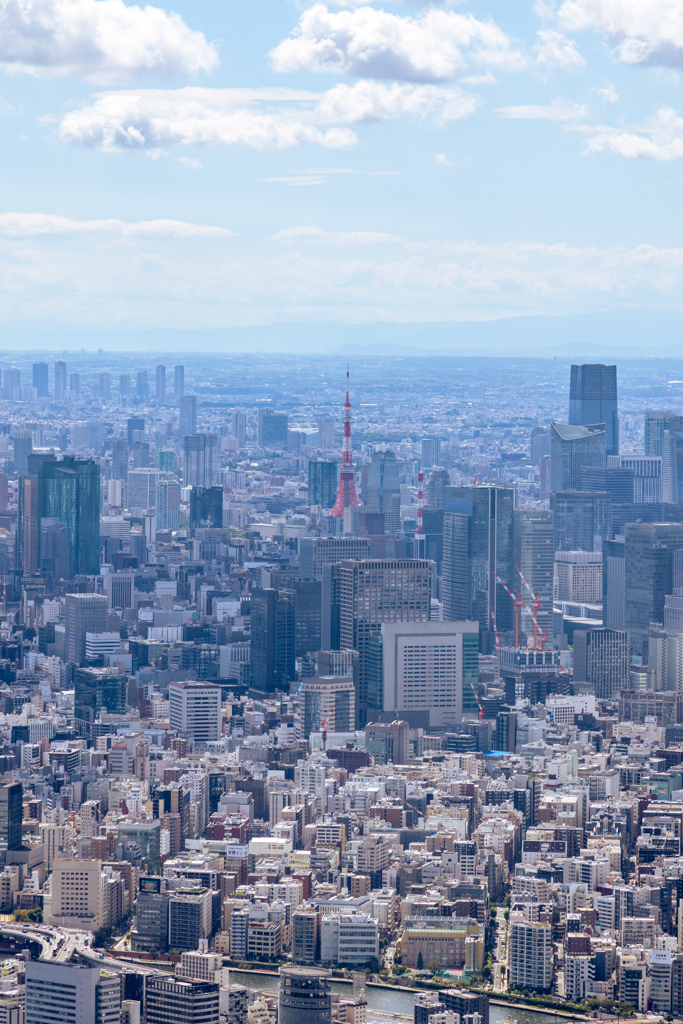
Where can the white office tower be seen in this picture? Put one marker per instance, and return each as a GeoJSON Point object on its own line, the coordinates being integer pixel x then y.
{"type": "Point", "coordinates": [578, 576]}
{"type": "Point", "coordinates": [195, 710]}
{"type": "Point", "coordinates": [71, 992]}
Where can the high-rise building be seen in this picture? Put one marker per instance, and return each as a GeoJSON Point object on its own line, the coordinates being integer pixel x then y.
{"type": "Point", "coordinates": [478, 545]}
{"type": "Point", "coordinates": [84, 613]}
{"type": "Point", "coordinates": [619, 481]}
{"type": "Point", "coordinates": [142, 489]}
{"type": "Point", "coordinates": [105, 386]}
{"type": "Point", "coordinates": [578, 576]}
{"type": "Point", "coordinates": [656, 423]}
{"type": "Point", "coordinates": [329, 699]}
{"type": "Point", "coordinates": [188, 415]}
{"type": "Point", "coordinates": [206, 507]}
{"type": "Point", "coordinates": [272, 639]}
{"type": "Point", "coordinates": [77, 894]}
{"type": "Point", "coordinates": [534, 559]}
{"type": "Point", "coordinates": [161, 385]}
{"type": "Point", "coordinates": [530, 954]}
{"type": "Point", "coordinates": [178, 382]}
{"type": "Point", "coordinates": [11, 380]}
{"type": "Point", "coordinates": [170, 1000]}
{"type": "Point", "coordinates": [387, 742]}
{"type": "Point", "coordinates": [97, 691]}
{"type": "Point", "coordinates": [60, 380]}
{"type": "Point", "coordinates": [168, 504]}
{"type": "Point", "coordinates": [539, 443]}
{"type": "Point", "coordinates": [271, 428]}
{"type": "Point", "coordinates": [136, 429]}
{"type": "Point", "coordinates": [69, 491]}
{"type": "Point", "coordinates": [151, 915]}
{"type": "Point", "coordinates": [238, 428]}
{"type": "Point", "coordinates": [40, 379]}
{"type": "Point", "coordinates": [55, 556]}
{"type": "Point", "coordinates": [648, 554]}
{"type": "Point", "coordinates": [571, 449]}
{"type": "Point", "coordinates": [23, 446]}
{"type": "Point", "coordinates": [593, 399]}
{"type": "Point", "coordinates": [200, 453]}
{"type": "Point", "coordinates": [195, 710]}
{"type": "Point", "coordinates": [326, 432]}
{"type": "Point", "coordinates": [372, 592]}
{"type": "Point", "coordinates": [65, 991]}
{"type": "Point", "coordinates": [119, 458]}
{"type": "Point", "coordinates": [124, 386]}
{"type": "Point", "coordinates": [439, 480]}
{"type": "Point", "coordinates": [430, 672]}
{"type": "Point", "coordinates": [307, 597]}
{"type": "Point", "coordinates": [142, 386]}
{"type": "Point", "coordinates": [10, 818]}
{"type": "Point", "coordinates": [614, 584]}
{"type": "Point", "coordinates": [430, 452]}
{"type": "Point", "coordinates": [322, 482]}
{"type": "Point", "coordinates": [647, 476]}
{"type": "Point", "coordinates": [120, 591]}
{"type": "Point", "coordinates": [602, 657]}
{"type": "Point", "coordinates": [27, 543]}
{"type": "Point", "coordinates": [384, 490]}
{"type": "Point", "coordinates": [75, 385]}
{"type": "Point", "coordinates": [582, 519]}
{"type": "Point", "coordinates": [315, 552]}
{"type": "Point", "coordinates": [304, 996]}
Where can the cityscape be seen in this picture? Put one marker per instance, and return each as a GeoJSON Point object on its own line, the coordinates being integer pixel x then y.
{"type": "Point", "coordinates": [340, 691]}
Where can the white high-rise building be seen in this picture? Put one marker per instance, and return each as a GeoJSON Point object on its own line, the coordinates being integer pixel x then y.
{"type": "Point", "coordinates": [71, 992]}
{"type": "Point", "coordinates": [531, 954]}
{"type": "Point", "coordinates": [77, 894]}
{"type": "Point", "coordinates": [195, 710]}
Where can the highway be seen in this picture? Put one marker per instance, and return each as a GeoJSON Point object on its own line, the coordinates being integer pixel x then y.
{"type": "Point", "coordinates": [60, 944]}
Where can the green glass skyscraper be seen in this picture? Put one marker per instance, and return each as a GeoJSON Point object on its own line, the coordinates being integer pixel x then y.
{"type": "Point", "coordinates": [69, 491]}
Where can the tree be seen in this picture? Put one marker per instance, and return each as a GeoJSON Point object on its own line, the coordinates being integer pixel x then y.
{"type": "Point", "coordinates": [420, 961]}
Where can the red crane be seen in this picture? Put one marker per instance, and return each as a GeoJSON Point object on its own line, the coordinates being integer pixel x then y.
{"type": "Point", "coordinates": [536, 606]}
{"type": "Point", "coordinates": [495, 627]}
{"type": "Point", "coordinates": [518, 602]}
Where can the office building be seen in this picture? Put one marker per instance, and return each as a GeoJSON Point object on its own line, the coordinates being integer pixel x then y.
{"type": "Point", "coordinates": [84, 613]}
{"type": "Point", "coordinates": [27, 549]}
{"type": "Point", "coordinates": [430, 452]}
{"type": "Point", "coordinates": [648, 569]}
{"type": "Point", "coordinates": [10, 818]}
{"type": "Point", "coordinates": [188, 415]}
{"type": "Point", "coordinates": [97, 691]}
{"type": "Point", "coordinates": [200, 452]}
{"type": "Point", "coordinates": [539, 444]}
{"type": "Point", "coordinates": [195, 710]}
{"type": "Point", "coordinates": [530, 954]}
{"type": "Point", "coordinates": [533, 549]}
{"type": "Point", "coordinates": [178, 382]}
{"type": "Point", "coordinates": [189, 918]}
{"type": "Point", "coordinates": [571, 449]}
{"type": "Point", "coordinates": [119, 458]}
{"type": "Point", "coordinates": [383, 491]}
{"type": "Point", "coordinates": [647, 476]}
{"type": "Point", "coordinates": [614, 584]}
{"type": "Point", "coordinates": [23, 447]}
{"type": "Point", "coordinates": [372, 592]}
{"type": "Point", "coordinates": [593, 399]}
{"type": "Point", "coordinates": [271, 428]}
{"type": "Point", "coordinates": [656, 423]}
{"type": "Point", "coordinates": [322, 482]}
{"type": "Point", "coordinates": [168, 504]}
{"type": "Point", "coordinates": [60, 380]}
{"type": "Point", "coordinates": [272, 639]}
{"type": "Point", "coordinates": [124, 386]}
{"type": "Point", "coordinates": [142, 386]}
{"type": "Point", "coordinates": [329, 699]}
{"type": "Point", "coordinates": [315, 552]}
{"type": "Point", "coordinates": [387, 742]}
{"type": "Point", "coordinates": [71, 992]}
{"type": "Point", "coordinates": [206, 507]}
{"type": "Point", "coordinates": [54, 548]}
{"type": "Point", "coordinates": [619, 481]}
{"type": "Point", "coordinates": [478, 534]}
{"type": "Point", "coordinates": [151, 915]}
{"type": "Point", "coordinates": [69, 491]}
{"type": "Point", "coordinates": [304, 996]}
{"type": "Point", "coordinates": [326, 432]}
{"type": "Point", "coordinates": [77, 894]}
{"type": "Point", "coordinates": [161, 385]}
{"type": "Point", "coordinates": [430, 672]}
{"type": "Point", "coordinates": [142, 489]}
{"type": "Point", "coordinates": [135, 429]}
{"type": "Point", "coordinates": [348, 939]}
{"type": "Point", "coordinates": [578, 576]}
{"type": "Point", "coordinates": [40, 379]}
{"type": "Point", "coordinates": [171, 1000]}
{"type": "Point", "coordinates": [602, 657]}
{"type": "Point", "coordinates": [582, 519]}
{"type": "Point", "coordinates": [120, 591]}
{"type": "Point", "coordinates": [238, 428]}
{"type": "Point", "coordinates": [306, 595]}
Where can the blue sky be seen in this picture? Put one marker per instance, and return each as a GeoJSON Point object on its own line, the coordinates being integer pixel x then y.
{"type": "Point", "coordinates": [218, 164]}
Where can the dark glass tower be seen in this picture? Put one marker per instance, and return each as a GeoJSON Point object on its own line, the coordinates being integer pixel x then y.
{"type": "Point", "coordinates": [69, 491]}
{"type": "Point", "coordinates": [648, 576]}
{"type": "Point", "coordinates": [593, 399]}
{"type": "Point", "coordinates": [322, 482]}
{"type": "Point", "coordinates": [272, 639]}
{"type": "Point", "coordinates": [10, 817]}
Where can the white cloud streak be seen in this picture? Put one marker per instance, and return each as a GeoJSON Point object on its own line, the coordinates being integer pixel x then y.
{"type": "Point", "coordinates": [337, 238]}
{"type": "Point", "coordinates": [558, 110]}
{"type": "Point", "coordinates": [434, 46]}
{"type": "Point", "coordinates": [641, 31]}
{"type": "Point", "coordinates": [152, 119]}
{"type": "Point", "coordinates": [103, 41]}
{"type": "Point", "coordinates": [554, 50]}
{"type": "Point", "coordinates": [27, 225]}
{"type": "Point", "coordinates": [660, 138]}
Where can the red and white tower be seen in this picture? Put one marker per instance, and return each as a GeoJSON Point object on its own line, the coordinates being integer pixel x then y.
{"type": "Point", "coordinates": [346, 493]}
{"type": "Point", "coordinates": [420, 501]}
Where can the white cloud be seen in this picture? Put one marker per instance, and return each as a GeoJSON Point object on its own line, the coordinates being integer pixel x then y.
{"type": "Point", "coordinates": [641, 31]}
{"type": "Point", "coordinates": [191, 163]}
{"type": "Point", "coordinates": [609, 94]}
{"type": "Point", "coordinates": [434, 46]}
{"type": "Point", "coordinates": [104, 41]}
{"type": "Point", "coordinates": [319, 175]}
{"type": "Point", "coordinates": [374, 101]}
{"type": "Point", "coordinates": [336, 238]}
{"type": "Point", "coordinates": [26, 225]}
{"type": "Point", "coordinates": [661, 138]}
{"type": "Point", "coordinates": [554, 50]}
{"type": "Point", "coordinates": [152, 119]}
{"type": "Point", "coordinates": [558, 110]}
{"type": "Point", "coordinates": [441, 160]}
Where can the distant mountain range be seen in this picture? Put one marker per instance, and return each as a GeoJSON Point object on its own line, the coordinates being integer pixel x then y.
{"type": "Point", "coordinates": [636, 333]}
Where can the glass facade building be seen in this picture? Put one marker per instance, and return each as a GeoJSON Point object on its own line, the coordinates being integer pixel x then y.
{"type": "Point", "coordinates": [69, 491]}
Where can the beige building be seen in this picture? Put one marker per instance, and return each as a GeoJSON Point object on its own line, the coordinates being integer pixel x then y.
{"type": "Point", "coordinates": [56, 840]}
{"type": "Point", "coordinates": [77, 894]}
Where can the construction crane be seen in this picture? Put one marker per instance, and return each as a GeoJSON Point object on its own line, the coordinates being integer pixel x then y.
{"type": "Point", "coordinates": [495, 627]}
{"type": "Point", "coordinates": [535, 607]}
{"type": "Point", "coordinates": [518, 602]}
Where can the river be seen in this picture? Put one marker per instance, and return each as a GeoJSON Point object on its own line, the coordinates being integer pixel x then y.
{"type": "Point", "coordinates": [391, 1000]}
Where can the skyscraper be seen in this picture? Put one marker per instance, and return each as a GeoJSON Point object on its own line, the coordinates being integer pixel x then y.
{"type": "Point", "coordinates": [178, 382]}
{"type": "Point", "coordinates": [136, 429]}
{"type": "Point", "coordinates": [119, 458]}
{"type": "Point", "coordinates": [572, 448]}
{"type": "Point", "coordinates": [142, 489]}
{"type": "Point", "coordinates": [534, 557]}
{"type": "Point", "coordinates": [478, 543]}
{"type": "Point", "coordinates": [373, 592]}
{"type": "Point", "coordinates": [430, 452]}
{"type": "Point", "coordinates": [11, 380]}
{"type": "Point", "coordinates": [384, 489]}
{"type": "Point", "coordinates": [23, 446]}
{"type": "Point", "coordinates": [614, 584]}
{"type": "Point", "coordinates": [60, 380]}
{"type": "Point", "coordinates": [618, 480]}
{"type": "Point", "coordinates": [124, 386]}
{"type": "Point", "coordinates": [195, 710]}
{"type": "Point", "coordinates": [206, 507]}
{"type": "Point", "coordinates": [649, 551]}
{"type": "Point", "coordinates": [593, 399]}
{"type": "Point", "coordinates": [161, 385]}
{"type": "Point", "coordinates": [656, 422]}
{"type": "Point", "coordinates": [272, 640]}
{"type": "Point", "coordinates": [271, 428]}
{"type": "Point", "coordinates": [97, 691]}
{"type": "Point", "coordinates": [238, 427]}
{"type": "Point", "coordinates": [307, 597]}
{"type": "Point", "coordinates": [40, 379]}
{"type": "Point", "coordinates": [10, 818]}
{"type": "Point", "coordinates": [71, 992]}
{"type": "Point", "coordinates": [105, 387]}
{"type": "Point", "coordinates": [200, 456]}
{"type": "Point", "coordinates": [322, 482]}
{"type": "Point", "coordinates": [84, 613]}
{"type": "Point", "coordinates": [326, 432]}
{"type": "Point", "coordinates": [168, 504]}
{"type": "Point", "coordinates": [603, 657]}
{"type": "Point", "coordinates": [188, 415]}
{"type": "Point", "coordinates": [69, 491]}
{"type": "Point", "coordinates": [583, 519]}
{"type": "Point", "coordinates": [142, 386]}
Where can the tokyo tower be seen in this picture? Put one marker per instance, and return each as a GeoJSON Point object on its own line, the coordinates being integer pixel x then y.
{"type": "Point", "coordinates": [346, 493]}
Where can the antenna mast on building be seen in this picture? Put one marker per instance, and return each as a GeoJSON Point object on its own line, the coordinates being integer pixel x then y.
{"type": "Point", "coordinates": [346, 493]}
